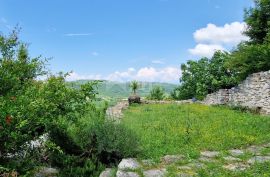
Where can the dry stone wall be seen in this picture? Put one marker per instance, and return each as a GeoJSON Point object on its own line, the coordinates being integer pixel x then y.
{"type": "Point", "coordinates": [254, 92]}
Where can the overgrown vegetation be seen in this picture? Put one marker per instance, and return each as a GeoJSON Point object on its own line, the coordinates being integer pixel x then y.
{"type": "Point", "coordinates": [78, 139]}
{"type": "Point", "coordinates": [156, 93]}
{"type": "Point", "coordinates": [205, 76]}
{"type": "Point", "coordinates": [225, 70]}
{"type": "Point", "coordinates": [190, 128]}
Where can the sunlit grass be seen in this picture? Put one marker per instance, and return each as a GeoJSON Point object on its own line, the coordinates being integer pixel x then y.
{"type": "Point", "coordinates": [190, 128]}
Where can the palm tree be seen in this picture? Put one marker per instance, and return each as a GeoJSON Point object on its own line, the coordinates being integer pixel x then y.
{"type": "Point", "coordinates": [134, 85]}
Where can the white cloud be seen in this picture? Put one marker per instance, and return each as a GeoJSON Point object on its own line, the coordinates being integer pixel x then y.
{"type": "Point", "coordinates": [75, 76]}
{"type": "Point", "coordinates": [227, 34]}
{"type": "Point", "coordinates": [151, 74]}
{"type": "Point", "coordinates": [95, 53]}
{"type": "Point", "coordinates": [122, 76]}
{"type": "Point", "coordinates": [78, 34]}
{"type": "Point", "coordinates": [213, 38]}
{"type": "Point", "coordinates": [205, 50]}
{"type": "Point", "coordinates": [157, 62]}
{"type": "Point", "coordinates": [167, 74]}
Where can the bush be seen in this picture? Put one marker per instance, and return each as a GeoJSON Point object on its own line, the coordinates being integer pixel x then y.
{"type": "Point", "coordinates": [79, 140]}
{"type": "Point", "coordinates": [157, 93]}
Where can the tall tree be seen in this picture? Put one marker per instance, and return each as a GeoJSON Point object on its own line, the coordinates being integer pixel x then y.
{"type": "Point", "coordinates": [258, 21]}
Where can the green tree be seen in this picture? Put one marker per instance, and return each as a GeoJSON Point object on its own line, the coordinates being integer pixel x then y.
{"type": "Point", "coordinates": [157, 93]}
{"type": "Point", "coordinates": [205, 76]}
{"type": "Point", "coordinates": [78, 139]}
{"type": "Point", "coordinates": [257, 19]}
{"type": "Point", "coordinates": [134, 85]}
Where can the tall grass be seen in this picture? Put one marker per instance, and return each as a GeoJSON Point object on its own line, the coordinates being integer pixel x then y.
{"type": "Point", "coordinates": [190, 128]}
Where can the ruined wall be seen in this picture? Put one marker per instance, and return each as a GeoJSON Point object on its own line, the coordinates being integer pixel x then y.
{"type": "Point", "coordinates": [254, 92]}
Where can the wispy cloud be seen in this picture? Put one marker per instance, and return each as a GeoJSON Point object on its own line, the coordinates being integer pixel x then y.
{"type": "Point", "coordinates": [78, 34]}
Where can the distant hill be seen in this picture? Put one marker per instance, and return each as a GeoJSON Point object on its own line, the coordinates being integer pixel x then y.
{"type": "Point", "coordinates": [122, 90]}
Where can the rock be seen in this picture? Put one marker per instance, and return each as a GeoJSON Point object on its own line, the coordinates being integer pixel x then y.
{"type": "Point", "coordinates": [108, 172]}
{"type": "Point", "coordinates": [255, 149]}
{"type": "Point", "coordinates": [184, 168]}
{"type": "Point", "coordinates": [46, 172]}
{"type": "Point", "coordinates": [266, 145]}
{"type": "Point", "coordinates": [206, 159]}
{"type": "Point", "coordinates": [129, 164]}
{"type": "Point", "coordinates": [121, 173]}
{"type": "Point", "coordinates": [236, 167]}
{"type": "Point", "coordinates": [197, 165]}
{"type": "Point", "coordinates": [181, 174]}
{"type": "Point", "coordinates": [232, 159]}
{"type": "Point", "coordinates": [134, 99]}
{"type": "Point", "coordinates": [148, 162]}
{"type": "Point", "coordinates": [259, 159]}
{"type": "Point", "coordinates": [169, 159]}
{"type": "Point", "coordinates": [236, 152]}
{"type": "Point", "coordinates": [155, 173]}
{"type": "Point", "coordinates": [209, 154]}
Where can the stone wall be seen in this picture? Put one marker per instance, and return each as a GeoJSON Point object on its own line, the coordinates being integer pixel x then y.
{"type": "Point", "coordinates": [254, 92]}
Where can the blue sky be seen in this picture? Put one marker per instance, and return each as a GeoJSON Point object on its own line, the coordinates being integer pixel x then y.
{"type": "Point", "coordinates": [124, 39]}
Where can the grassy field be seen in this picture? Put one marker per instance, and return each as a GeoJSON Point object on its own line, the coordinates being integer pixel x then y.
{"type": "Point", "coordinates": [189, 129]}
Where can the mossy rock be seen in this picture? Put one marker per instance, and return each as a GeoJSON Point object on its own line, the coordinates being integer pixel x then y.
{"type": "Point", "coordinates": [134, 99]}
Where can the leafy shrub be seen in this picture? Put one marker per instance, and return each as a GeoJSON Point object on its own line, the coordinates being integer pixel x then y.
{"type": "Point", "coordinates": [79, 140]}
{"type": "Point", "coordinates": [205, 76]}
{"type": "Point", "coordinates": [157, 93]}
{"type": "Point", "coordinates": [248, 59]}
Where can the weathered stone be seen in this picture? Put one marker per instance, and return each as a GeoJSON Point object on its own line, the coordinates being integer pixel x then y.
{"type": "Point", "coordinates": [121, 173]}
{"type": "Point", "coordinates": [155, 173]}
{"type": "Point", "coordinates": [236, 152]}
{"type": "Point", "coordinates": [47, 172]}
{"type": "Point", "coordinates": [134, 99]}
{"type": "Point", "coordinates": [207, 159]}
{"type": "Point", "coordinates": [148, 162]}
{"type": "Point", "coordinates": [129, 164]}
{"type": "Point", "coordinates": [169, 159]}
{"type": "Point", "coordinates": [115, 112]}
{"type": "Point", "coordinates": [108, 172]}
{"type": "Point", "coordinates": [183, 174]}
{"type": "Point", "coordinates": [255, 150]}
{"type": "Point", "coordinates": [209, 154]}
{"type": "Point", "coordinates": [259, 159]}
{"type": "Point", "coordinates": [252, 93]}
{"type": "Point", "coordinates": [232, 159]}
{"type": "Point", "coordinates": [267, 145]}
{"type": "Point", "coordinates": [236, 167]}
{"type": "Point", "coordinates": [197, 165]}
{"type": "Point", "coordinates": [184, 168]}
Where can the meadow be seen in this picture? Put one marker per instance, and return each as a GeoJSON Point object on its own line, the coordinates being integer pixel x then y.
{"type": "Point", "coordinates": [190, 128]}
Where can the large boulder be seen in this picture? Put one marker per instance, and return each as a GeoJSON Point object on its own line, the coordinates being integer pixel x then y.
{"type": "Point", "coordinates": [134, 99]}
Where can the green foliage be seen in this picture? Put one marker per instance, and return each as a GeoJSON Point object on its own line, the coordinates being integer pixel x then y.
{"type": "Point", "coordinates": [257, 19]}
{"type": "Point", "coordinates": [204, 76]}
{"type": "Point", "coordinates": [79, 142]}
{"type": "Point", "coordinates": [134, 85]}
{"type": "Point", "coordinates": [253, 55]}
{"type": "Point", "coordinates": [248, 59]}
{"type": "Point", "coordinates": [157, 93]}
{"type": "Point", "coordinates": [225, 70]}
